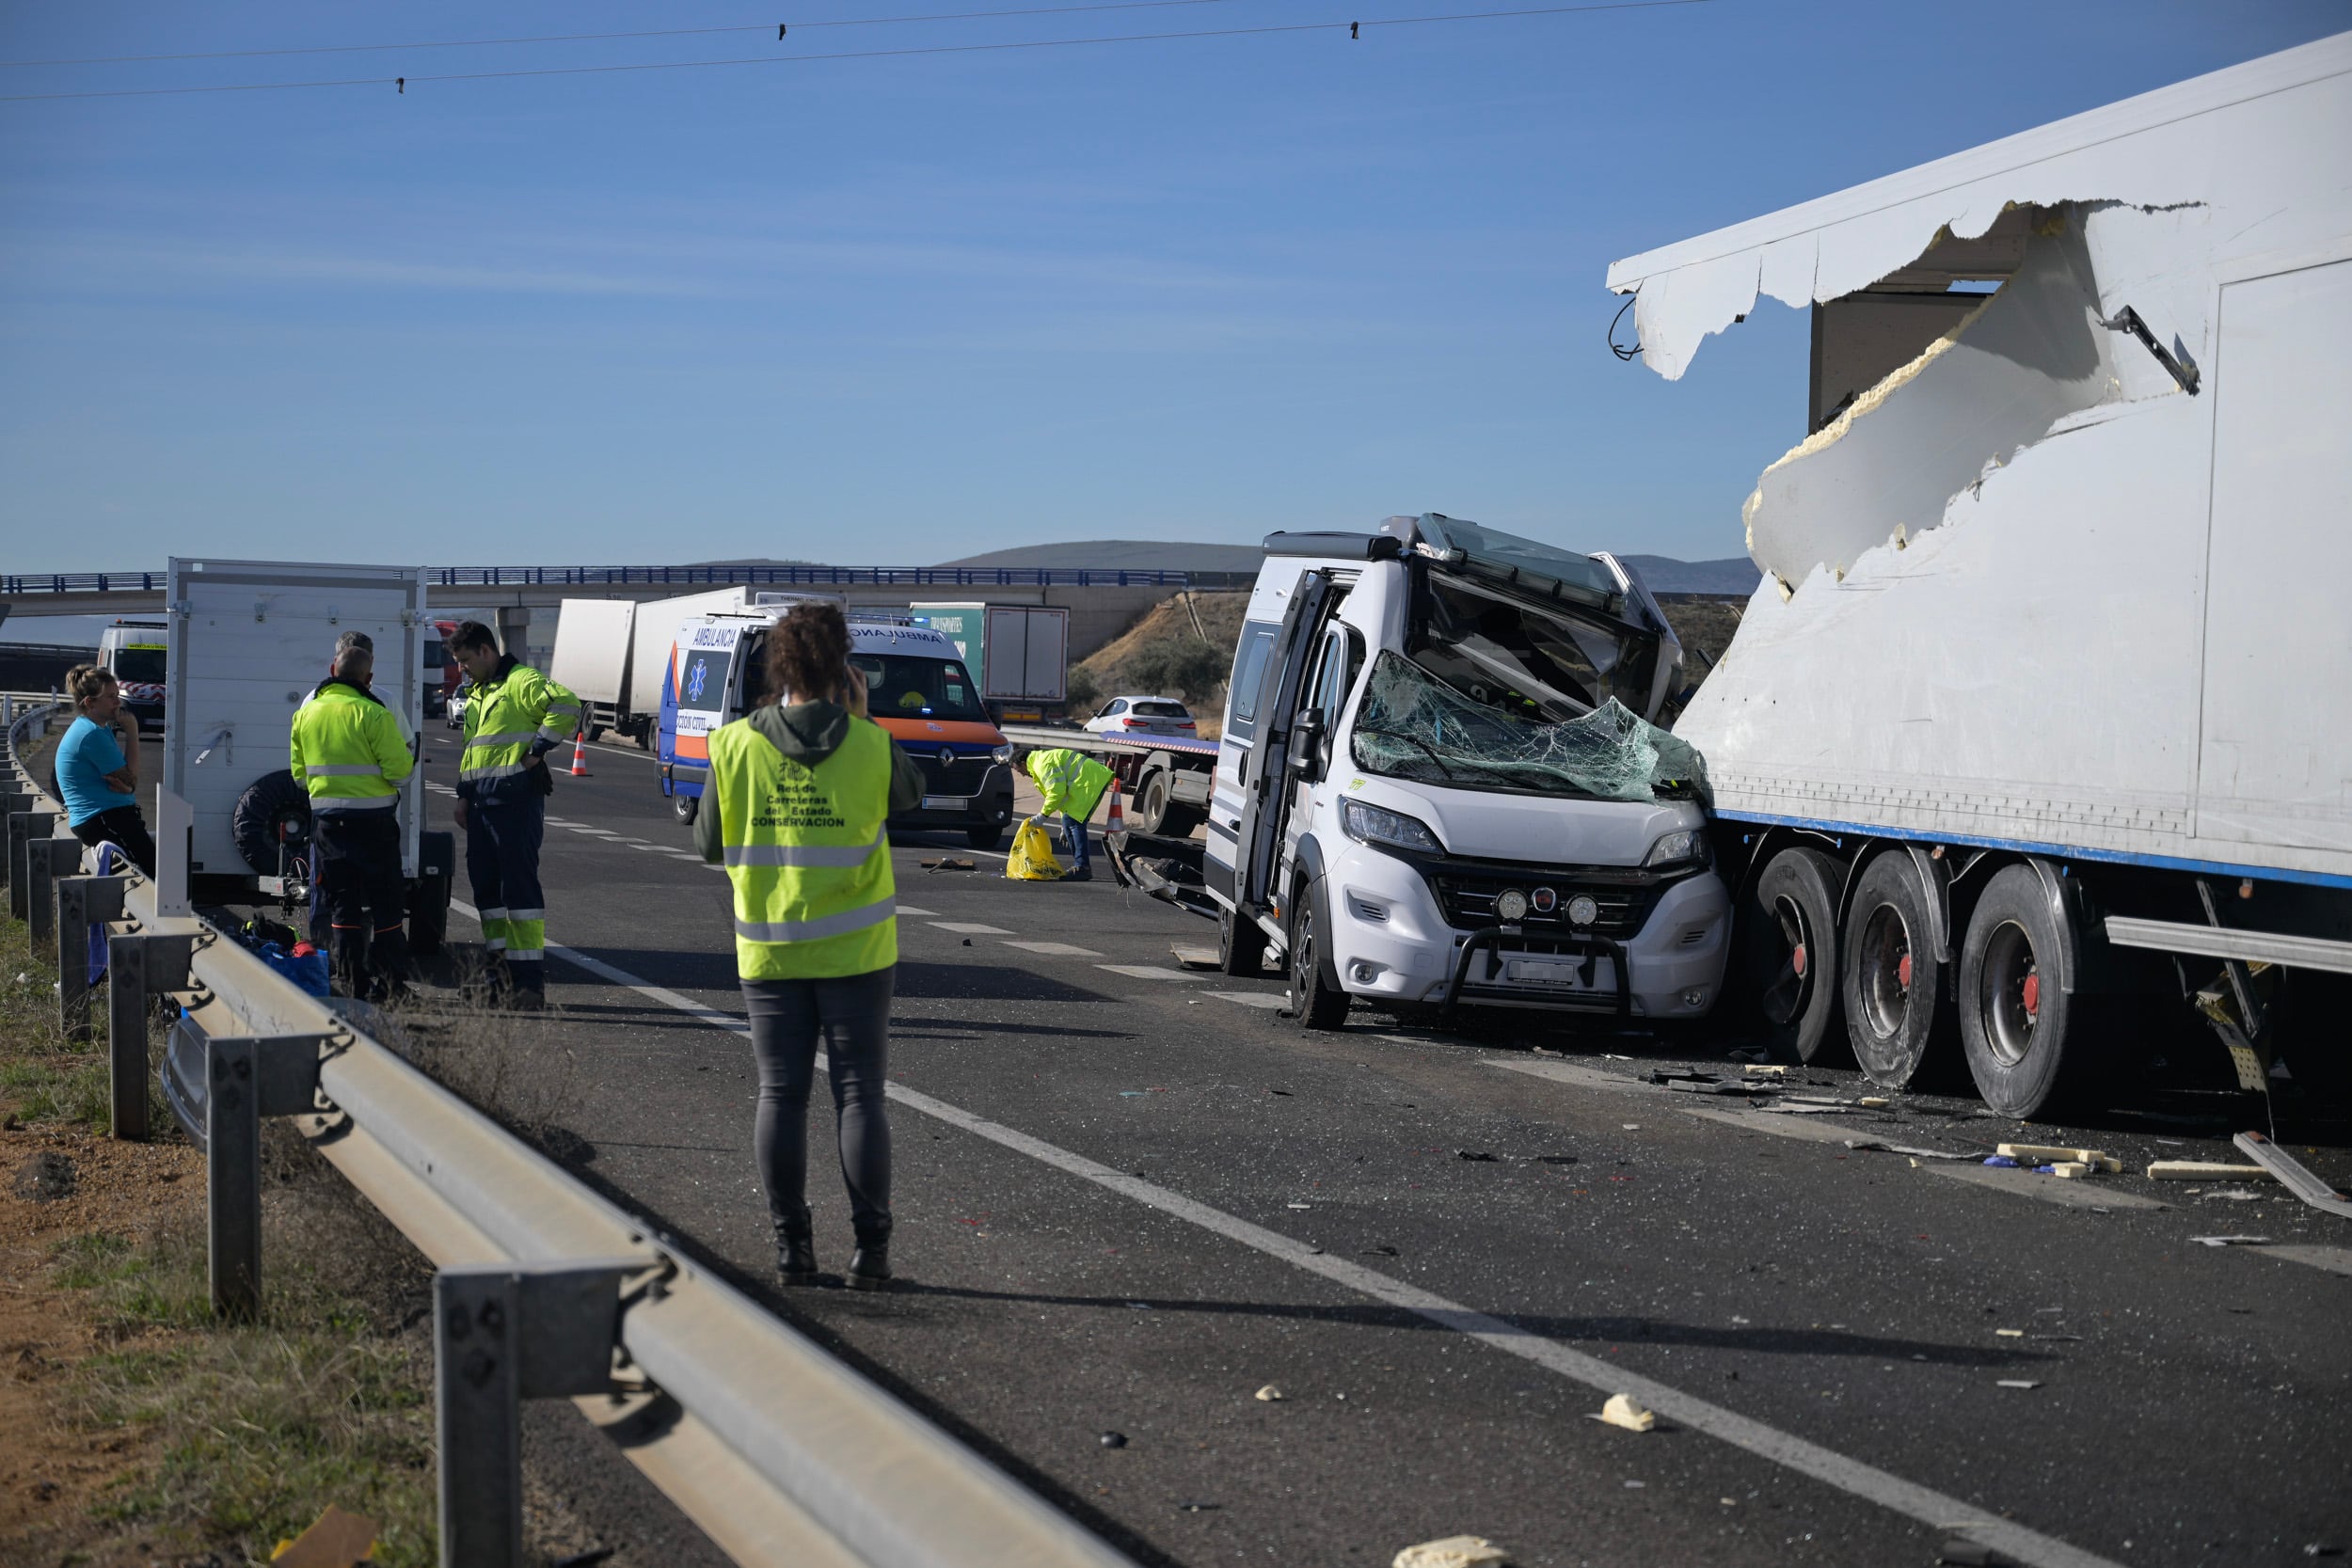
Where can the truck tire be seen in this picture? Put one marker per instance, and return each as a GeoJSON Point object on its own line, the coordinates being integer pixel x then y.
{"type": "Point", "coordinates": [1316, 1000]}
{"type": "Point", "coordinates": [1153, 801]}
{"type": "Point", "coordinates": [2028, 1041]}
{"type": "Point", "coordinates": [595, 733]}
{"type": "Point", "coordinates": [1240, 946]}
{"type": "Point", "coordinates": [1893, 987]}
{"type": "Point", "coordinates": [271, 803]}
{"type": "Point", "coordinates": [641, 733]}
{"type": "Point", "coordinates": [1788, 954]}
{"type": "Point", "coordinates": [428, 913]}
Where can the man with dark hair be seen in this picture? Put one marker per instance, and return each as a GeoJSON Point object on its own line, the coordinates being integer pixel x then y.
{"type": "Point", "coordinates": [515, 716]}
{"type": "Point", "coordinates": [352, 753]}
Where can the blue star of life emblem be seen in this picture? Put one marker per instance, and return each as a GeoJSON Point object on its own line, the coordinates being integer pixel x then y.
{"type": "Point", "coordinates": [695, 682]}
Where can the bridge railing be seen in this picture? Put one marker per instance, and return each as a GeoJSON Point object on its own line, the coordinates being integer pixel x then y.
{"type": "Point", "coordinates": [20, 584]}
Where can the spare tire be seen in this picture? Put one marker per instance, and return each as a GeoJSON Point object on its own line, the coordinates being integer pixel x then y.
{"type": "Point", "coordinates": [271, 802]}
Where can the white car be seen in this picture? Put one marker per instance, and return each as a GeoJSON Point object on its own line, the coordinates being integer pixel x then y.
{"type": "Point", "coordinates": [455, 710]}
{"type": "Point", "coordinates": [1142, 716]}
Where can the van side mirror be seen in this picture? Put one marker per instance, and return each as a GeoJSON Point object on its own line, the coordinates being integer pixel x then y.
{"type": "Point", "coordinates": [1306, 749]}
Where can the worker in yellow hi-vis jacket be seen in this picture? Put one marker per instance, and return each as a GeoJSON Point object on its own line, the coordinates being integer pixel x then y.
{"type": "Point", "coordinates": [1073, 784]}
{"type": "Point", "coordinates": [515, 716]}
{"type": "Point", "coordinates": [352, 753]}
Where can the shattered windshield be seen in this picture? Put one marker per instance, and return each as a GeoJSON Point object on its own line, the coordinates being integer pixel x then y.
{"type": "Point", "coordinates": [1537, 661]}
{"type": "Point", "coordinates": [1413, 725]}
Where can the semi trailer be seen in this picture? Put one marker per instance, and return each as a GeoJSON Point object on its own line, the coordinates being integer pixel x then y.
{"type": "Point", "coordinates": [2035, 740]}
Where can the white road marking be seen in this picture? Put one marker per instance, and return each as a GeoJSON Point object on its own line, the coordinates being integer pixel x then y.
{"type": "Point", "coordinates": [1145, 971]}
{"type": "Point", "coordinates": [1827, 1465]}
{"type": "Point", "coordinates": [1055, 949]}
{"type": "Point", "coordinates": [600, 832]}
{"type": "Point", "coordinates": [966, 929]}
{"type": "Point", "coordinates": [910, 909]}
{"type": "Point", "coordinates": [1571, 1072]}
{"type": "Point", "coordinates": [2335, 1259]}
{"type": "Point", "coordinates": [1268, 999]}
{"type": "Point", "coordinates": [2049, 1189]}
{"type": "Point", "coordinates": [1800, 1128]}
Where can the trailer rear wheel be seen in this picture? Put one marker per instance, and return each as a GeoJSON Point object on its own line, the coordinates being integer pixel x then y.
{"type": "Point", "coordinates": [1893, 985]}
{"type": "Point", "coordinates": [2025, 1035]}
{"type": "Point", "coordinates": [1157, 810]}
{"type": "Point", "coordinates": [428, 913]}
{"type": "Point", "coordinates": [1789, 953]}
{"type": "Point", "coordinates": [1316, 1000]}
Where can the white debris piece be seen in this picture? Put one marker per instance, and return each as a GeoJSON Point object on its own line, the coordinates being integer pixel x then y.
{"type": "Point", "coordinates": [1454, 1551]}
{"type": "Point", "coordinates": [1622, 1412]}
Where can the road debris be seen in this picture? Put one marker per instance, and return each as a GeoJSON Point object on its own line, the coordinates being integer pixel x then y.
{"type": "Point", "coordinates": [2230, 1241]}
{"type": "Point", "coordinates": [2042, 1154]}
{"type": "Point", "coordinates": [948, 862]}
{"type": "Point", "coordinates": [1975, 1554]}
{"type": "Point", "coordinates": [2204, 1170]}
{"type": "Point", "coordinates": [1758, 1069]}
{"type": "Point", "coordinates": [1477, 1156]}
{"type": "Point", "coordinates": [2292, 1174]}
{"type": "Point", "coordinates": [1113, 1439]}
{"type": "Point", "coordinates": [1269, 1395]}
{"type": "Point", "coordinates": [2010, 1333]}
{"type": "Point", "coordinates": [336, 1539]}
{"type": "Point", "coordinates": [1875, 1102]}
{"type": "Point", "coordinates": [1193, 957]}
{"type": "Point", "coordinates": [1454, 1551]}
{"type": "Point", "coordinates": [1874, 1146]}
{"type": "Point", "coordinates": [1622, 1412]}
{"type": "Point", "coordinates": [2016, 1383]}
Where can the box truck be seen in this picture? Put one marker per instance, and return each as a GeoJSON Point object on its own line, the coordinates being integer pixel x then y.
{"type": "Point", "coordinates": [2035, 741]}
{"type": "Point", "coordinates": [1019, 654]}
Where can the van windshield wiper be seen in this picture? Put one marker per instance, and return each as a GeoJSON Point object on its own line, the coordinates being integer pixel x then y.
{"type": "Point", "coordinates": [1428, 751]}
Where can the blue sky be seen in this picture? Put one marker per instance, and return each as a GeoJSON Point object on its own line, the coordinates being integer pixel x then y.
{"type": "Point", "coordinates": [891, 311]}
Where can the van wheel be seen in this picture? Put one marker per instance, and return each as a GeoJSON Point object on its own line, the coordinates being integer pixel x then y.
{"type": "Point", "coordinates": [1240, 946]}
{"type": "Point", "coordinates": [683, 807]}
{"type": "Point", "coordinates": [985, 838]}
{"type": "Point", "coordinates": [1316, 1000]}
{"type": "Point", "coordinates": [1894, 989]}
{"type": "Point", "coordinates": [1788, 953]}
{"type": "Point", "coordinates": [2024, 1036]}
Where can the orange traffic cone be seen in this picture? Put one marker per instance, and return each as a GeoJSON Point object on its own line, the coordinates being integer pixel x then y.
{"type": "Point", "coordinates": [1117, 823]}
{"type": "Point", "coordinates": [580, 753]}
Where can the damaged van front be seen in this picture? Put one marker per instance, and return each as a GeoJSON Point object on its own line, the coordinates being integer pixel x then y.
{"type": "Point", "coordinates": [1440, 782]}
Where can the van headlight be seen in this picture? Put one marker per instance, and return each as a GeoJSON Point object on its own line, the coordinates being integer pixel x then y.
{"type": "Point", "coordinates": [1002, 753]}
{"type": "Point", "coordinates": [1683, 847]}
{"type": "Point", "coordinates": [1370, 824]}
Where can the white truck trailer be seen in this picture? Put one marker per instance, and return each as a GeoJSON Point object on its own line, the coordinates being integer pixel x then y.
{"type": "Point", "coordinates": [251, 639]}
{"type": "Point", "coordinates": [2040, 718]}
{"type": "Point", "coordinates": [1019, 653]}
{"type": "Point", "coordinates": [614, 653]}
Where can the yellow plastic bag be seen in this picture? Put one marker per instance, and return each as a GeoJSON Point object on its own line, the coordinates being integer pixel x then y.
{"type": "Point", "coordinates": [1032, 858]}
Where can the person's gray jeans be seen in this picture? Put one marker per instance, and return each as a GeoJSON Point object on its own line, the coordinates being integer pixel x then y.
{"type": "Point", "coordinates": [850, 1017]}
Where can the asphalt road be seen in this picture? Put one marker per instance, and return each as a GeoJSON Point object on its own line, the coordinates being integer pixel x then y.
{"type": "Point", "coordinates": [1131, 1195]}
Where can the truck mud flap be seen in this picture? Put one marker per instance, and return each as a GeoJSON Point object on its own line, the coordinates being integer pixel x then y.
{"type": "Point", "coordinates": [1167, 868]}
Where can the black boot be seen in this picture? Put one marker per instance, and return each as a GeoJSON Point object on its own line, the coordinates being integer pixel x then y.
{"type": "Point", "coordinates": [869, 1265]}
{"type": "Point", "coordinates": [795, 1252]}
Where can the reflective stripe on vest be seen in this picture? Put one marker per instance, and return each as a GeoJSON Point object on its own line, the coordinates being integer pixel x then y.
{"type": "Point", "coordinates": [343, 771]}
{"type": "Point", "coordinates": [806, 854]}
{"type": "Point", "coordinates": [503, 720]}
{"type": "Point", "coordinates": [348, 751]}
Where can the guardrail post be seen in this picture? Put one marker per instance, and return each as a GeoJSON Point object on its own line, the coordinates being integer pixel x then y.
{"type": "Point", "coordinates": [502, 1334]}
{"type": "Point", "coordinates": [13, 803]}
{"type": "Point", "coordinates": [83, 902]}
{"type": "Point", "coordinates": [138, 968]}
{"type": "Point", "coordinates": [25, 829]}
{"type": "Point", "coordinates": [43, 859]}
{"type": "Point", "coordinates": [247, 1077]}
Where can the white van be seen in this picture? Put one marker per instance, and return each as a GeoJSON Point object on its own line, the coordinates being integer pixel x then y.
{"type": "Point", "coordinates": [1439, 782]}
{"type": "Point", "coordinates": [138, 653]}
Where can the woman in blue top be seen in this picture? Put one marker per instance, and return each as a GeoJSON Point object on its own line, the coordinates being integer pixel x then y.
{"type": "Point", "coordinates": [98, 769]}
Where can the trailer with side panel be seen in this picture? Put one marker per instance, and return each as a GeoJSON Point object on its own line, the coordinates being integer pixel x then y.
{"type": "Point", "coordinates": [250, 641]}
{"type": "Point", "coordinates": [2035, 741]}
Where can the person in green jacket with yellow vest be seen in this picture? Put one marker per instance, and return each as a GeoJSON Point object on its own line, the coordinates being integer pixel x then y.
{"type": "Point", "coordinates": [1073, 784]}
{"type": "Point", "coordinates": [794, 808]}
{"type": "Point", "coordinates": [352, 753]}
{"type": "Point", "coordinates": [515, 716]}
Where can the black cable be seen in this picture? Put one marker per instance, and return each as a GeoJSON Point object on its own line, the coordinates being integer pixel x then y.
{"type": "Point", "coordinates": [1623, 351]}
{"type": "Point", "coordinates": [850, 55]}
{"type": "Point", "coordinates": [596, 38]}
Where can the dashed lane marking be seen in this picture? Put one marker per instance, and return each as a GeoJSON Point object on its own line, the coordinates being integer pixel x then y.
{"type": "Point", "coordinates": [1572, 1073]}
{"type": "Point", "coordinates": [1826, 1465]}
{"type": "Point", "coordinates": [1055, 949]}
{"type": "Point", "coordinates": [1145, 971]}
{"type": "Point", "coordinates": [966, 929]}
{"type": "Point", "coordinates": [2049, 1189]}
{"type": "Point", "coordinates": [2335, 1259]}
{"type": "Point", "coordinates": [1268, 999]}
{"type": "Point", "coordinates": [910, 909]}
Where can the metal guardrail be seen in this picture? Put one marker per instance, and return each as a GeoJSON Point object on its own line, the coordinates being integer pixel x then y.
{"type": "Point", "coordinates": [774, 1448]}
{"type": "Point", "coordinates": [24, 583]}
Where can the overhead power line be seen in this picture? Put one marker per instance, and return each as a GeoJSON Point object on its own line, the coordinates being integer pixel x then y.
{"type": "Point", "coordinates": [595, 37]}
{"type": "Point", "coordinates": [400, 83]}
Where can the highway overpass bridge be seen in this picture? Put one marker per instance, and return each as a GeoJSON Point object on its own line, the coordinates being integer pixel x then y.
{"type": "Point", "coordinates": [1101, 603]}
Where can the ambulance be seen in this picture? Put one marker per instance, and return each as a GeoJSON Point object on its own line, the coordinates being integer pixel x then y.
{"type": "Point", "coordinates": [139, 655]}
{"type": "Point", "coordinates": [917, 689]}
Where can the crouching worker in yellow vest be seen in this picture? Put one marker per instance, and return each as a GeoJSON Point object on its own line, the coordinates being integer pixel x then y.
{"type": "Point", "coordinates": [794, 805]}
{"type": "Point", "coordinates": [1073, 784]}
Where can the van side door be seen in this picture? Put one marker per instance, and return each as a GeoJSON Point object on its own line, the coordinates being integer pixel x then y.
{"type": "Point", "coordinates": [1265, 798]}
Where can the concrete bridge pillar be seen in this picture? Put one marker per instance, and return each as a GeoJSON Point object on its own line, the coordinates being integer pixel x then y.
{"type": "Point", "coordinates": [513, 629]}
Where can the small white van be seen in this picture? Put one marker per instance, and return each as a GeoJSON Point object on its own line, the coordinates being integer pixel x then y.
{"type": "Point", "coordinates": [1441, 782]}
